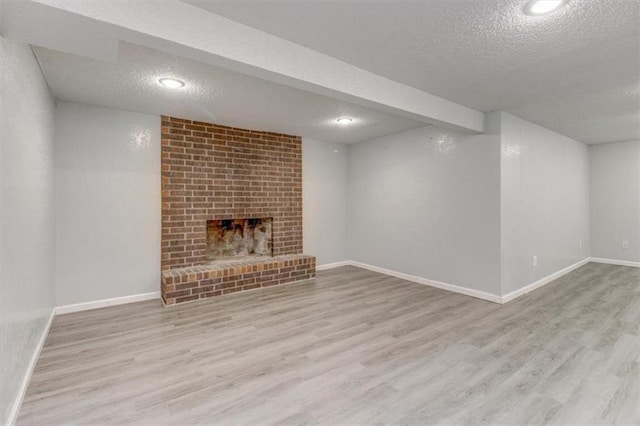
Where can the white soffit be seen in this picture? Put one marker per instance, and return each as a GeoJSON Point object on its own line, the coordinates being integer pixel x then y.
{"type": "Point", "coordinates": [211, 94]}
{"type": "Point", "coordinates": [187, 31]}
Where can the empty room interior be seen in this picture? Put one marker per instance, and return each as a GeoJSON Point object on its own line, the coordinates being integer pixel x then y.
{"type": "Point", "coordinates": [320, 212]}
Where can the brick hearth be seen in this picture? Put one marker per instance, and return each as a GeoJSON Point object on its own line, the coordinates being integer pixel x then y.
{"type": "Point", "coordinates": [203, 281]}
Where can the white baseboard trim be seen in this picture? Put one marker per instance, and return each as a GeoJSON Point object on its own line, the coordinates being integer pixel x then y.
{"type": "Point", "coordinates": [15, 407]}
{"type": "Point", "coordinates": [85, 306]}
{"type": "Point", "coordinates": [546, 280]}
{"type": "Point", "coordinates": [17, 403]}
{"type": "Point", "coordinates": [468, 291]}
{"type": "Point", "coordinates": [616, 262]}
{"type": "Point", "coordinates": [437, 284]}
{"type": "Point", "coordinates": [333, 265]}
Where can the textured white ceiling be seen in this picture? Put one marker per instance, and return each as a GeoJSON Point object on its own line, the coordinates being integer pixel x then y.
{"type": "Point", "coordinates": [575, 71]}
{"type": "Point", "coordinates": [212, 94]}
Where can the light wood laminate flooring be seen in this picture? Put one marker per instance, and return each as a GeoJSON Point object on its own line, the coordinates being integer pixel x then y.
{"type": "Point", "coordinates": [351, 346]}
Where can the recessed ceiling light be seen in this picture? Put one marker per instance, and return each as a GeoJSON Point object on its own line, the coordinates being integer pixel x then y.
{"type": "Point", "coordinates": [541, 7]}
{"type": "Point", "coordinates": [344, 120]}
{"type": "Point", "coordinates": [171, 83]}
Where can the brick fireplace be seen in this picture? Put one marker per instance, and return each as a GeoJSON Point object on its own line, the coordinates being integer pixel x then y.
{"type": "Point", "coordinates": [231, 210]}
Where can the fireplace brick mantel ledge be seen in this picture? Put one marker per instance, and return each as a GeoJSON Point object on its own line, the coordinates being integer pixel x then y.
{"type": "Point", "coordinates": [216, 279]}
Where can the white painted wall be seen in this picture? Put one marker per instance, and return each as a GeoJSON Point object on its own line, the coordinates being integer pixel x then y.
{"type": "Point", "coordinates": [324, 189]}
{"type": "Point", "coordinates": [27, 215]}
{"type": "Point", "coordinates": [545, 202]}
{"type": "Point", "coordinates": [427, 203]}
{"type": "Point", "coordinates": [107, 198]}
{"type": "Point", "coordinates": [615, 200]}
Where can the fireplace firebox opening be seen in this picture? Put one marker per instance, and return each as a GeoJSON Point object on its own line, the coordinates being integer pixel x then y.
{"type": "Point", "coordinates": [237, 238]}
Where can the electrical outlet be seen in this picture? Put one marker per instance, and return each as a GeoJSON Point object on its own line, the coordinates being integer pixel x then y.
{"type": "Point", "coordinates": [625, 244]}
{"type": "Point", "coordinates": [580, 245]}
{"type": "Point", "coordinates": [535, 260]}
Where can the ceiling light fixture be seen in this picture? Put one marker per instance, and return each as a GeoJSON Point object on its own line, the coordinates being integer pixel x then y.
{"type": "Point", "coordinates": [344, 120]}
{"type": "Point", "coordinates": [542, 7]}
{"type": "Point", "coordinates": [171, 83]}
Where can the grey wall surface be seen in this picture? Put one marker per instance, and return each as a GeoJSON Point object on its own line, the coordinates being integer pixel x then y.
{"type": "Point", "coordinates": [427, 203]}
{"type": "Point", "coordinates": [27, 215]}
{"type": "Point", "coordinates": [545, 202]}
{"type": "Point", "coordinates": [324, 190]}
{"type": "Point", "coordinates": [107, 198]}
{"type": "Point", "coordinates": [615, 200]}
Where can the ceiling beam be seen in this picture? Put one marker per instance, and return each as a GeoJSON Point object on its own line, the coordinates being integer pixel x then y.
{"type": "Point", "coordinates": [188, 31]}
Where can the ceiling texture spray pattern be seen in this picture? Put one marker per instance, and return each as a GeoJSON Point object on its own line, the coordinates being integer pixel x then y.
{"type": "Point", "coordinates": [575, 71]}
{"type": "Point", "coordinates": [295, 66]}
{"type": "Point", "coordinates": [210, 94]}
